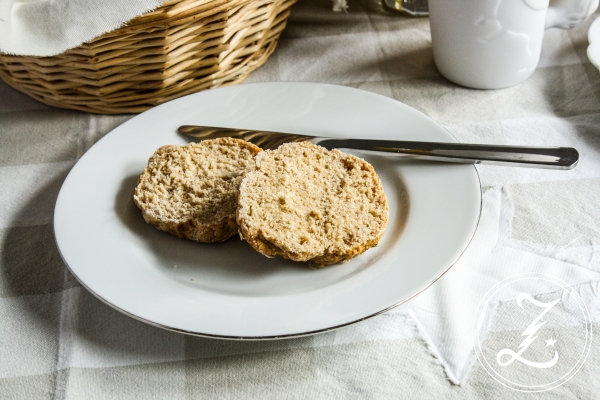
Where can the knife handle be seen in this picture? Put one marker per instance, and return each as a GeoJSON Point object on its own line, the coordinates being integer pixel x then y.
{"type": "Point", "coordinates": [523, 156]}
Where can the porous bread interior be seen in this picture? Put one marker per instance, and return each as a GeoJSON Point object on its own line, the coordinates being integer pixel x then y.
{"type": "Point", "coordinates": [306, 203]}
{"type": "Point", "coordinates": [192, 191]}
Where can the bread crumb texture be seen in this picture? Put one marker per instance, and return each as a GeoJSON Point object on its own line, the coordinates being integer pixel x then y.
{"type": "Point", "coordinates": [306, 203]}
{"type": "Point", "coordinates": [192, 191]}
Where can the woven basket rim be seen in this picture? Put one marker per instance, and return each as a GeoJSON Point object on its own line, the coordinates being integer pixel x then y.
{"type": "Point", "coordinates": [179, 48]}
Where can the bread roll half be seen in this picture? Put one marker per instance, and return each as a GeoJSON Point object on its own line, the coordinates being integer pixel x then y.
{"type": "Point", "coordinates": [192, 191]}
{"type": "Point", "coordinates": [306, 203]}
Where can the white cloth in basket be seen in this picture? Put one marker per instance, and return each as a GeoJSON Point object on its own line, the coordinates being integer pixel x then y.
{"type": "Point", "coordinates": [50, 27]}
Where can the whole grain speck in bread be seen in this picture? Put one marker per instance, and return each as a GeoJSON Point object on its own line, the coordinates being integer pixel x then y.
{"type": "Point", "coordinates": [306, 203]}
{"type": "Point", "coordinates": [192, 191]}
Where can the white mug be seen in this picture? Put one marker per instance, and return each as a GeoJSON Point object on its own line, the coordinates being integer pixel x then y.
{"type": "Point", "coordinates": [492, 44]}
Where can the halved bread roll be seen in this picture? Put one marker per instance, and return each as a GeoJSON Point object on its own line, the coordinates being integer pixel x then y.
{"type": "Point", "coordinates": [306, 203]}
{"type": "Point", "coordinates": [192, 191]}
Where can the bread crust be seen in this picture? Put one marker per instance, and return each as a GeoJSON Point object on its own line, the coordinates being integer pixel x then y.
{"type": "Point", "coordinates": [192, 191]}
{"type": "Point", "coordinates": [305, 203]}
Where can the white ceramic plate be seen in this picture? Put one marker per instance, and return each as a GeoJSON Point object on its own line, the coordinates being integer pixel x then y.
{"type": "Point", "coordinates": [227, 289]}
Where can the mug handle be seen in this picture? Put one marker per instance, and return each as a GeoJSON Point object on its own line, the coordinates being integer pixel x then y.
{"type": "Point", "coordinates": [567, 14]}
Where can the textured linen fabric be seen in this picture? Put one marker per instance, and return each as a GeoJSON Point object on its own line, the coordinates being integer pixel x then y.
{"type": "Point", "coordinates": [57, 341]}
{"type": "Point", "coordinates": [49, 27]}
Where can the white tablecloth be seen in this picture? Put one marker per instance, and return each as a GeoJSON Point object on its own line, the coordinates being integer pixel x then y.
{"type": "Point", "coordinates": [58, 341]}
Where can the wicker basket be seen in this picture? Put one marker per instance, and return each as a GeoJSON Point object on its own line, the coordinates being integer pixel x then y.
{"type": "Point", "coordinates": [180, 48]}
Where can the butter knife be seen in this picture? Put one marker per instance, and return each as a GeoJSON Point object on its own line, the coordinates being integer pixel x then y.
{"type": "Point", "coordinates": [537, 157]}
